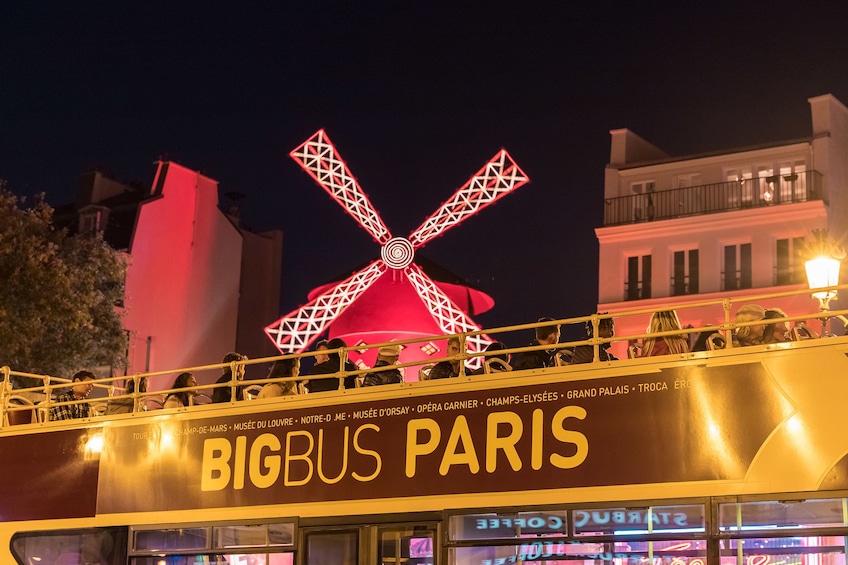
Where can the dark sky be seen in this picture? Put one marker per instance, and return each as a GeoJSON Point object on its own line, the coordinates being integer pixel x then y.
{"type": "Point", "coordinates": [416, 96]}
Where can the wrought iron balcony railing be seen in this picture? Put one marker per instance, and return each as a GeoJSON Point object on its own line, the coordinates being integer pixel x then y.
{"type": "Point", "coordinates": [713, 198]}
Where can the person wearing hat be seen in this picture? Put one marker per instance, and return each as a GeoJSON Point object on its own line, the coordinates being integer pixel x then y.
{"type": "Point", "coordinates": [386, 355]}
{"type": "Point", "coordinates": [749, 335]}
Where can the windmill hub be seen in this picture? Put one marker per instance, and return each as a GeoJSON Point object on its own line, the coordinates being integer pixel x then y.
{"type": "Point", "coordinates": [397, 253]}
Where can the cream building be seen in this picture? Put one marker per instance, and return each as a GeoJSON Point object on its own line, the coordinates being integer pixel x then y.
{"type": "Point", "coordinates": [680, 230]}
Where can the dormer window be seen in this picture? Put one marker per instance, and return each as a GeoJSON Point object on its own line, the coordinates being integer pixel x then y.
{"type": "Point", "coordinates": [92, 220]}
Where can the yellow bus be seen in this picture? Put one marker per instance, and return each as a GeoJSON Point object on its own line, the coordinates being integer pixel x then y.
{"type": "Point", "coordinates": [737, 456]}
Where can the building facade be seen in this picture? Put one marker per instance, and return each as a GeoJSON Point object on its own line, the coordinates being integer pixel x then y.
{"type": "Point", "coordinates": [687, 229]}
{"type": "Point", "coordinates": [198, 285]}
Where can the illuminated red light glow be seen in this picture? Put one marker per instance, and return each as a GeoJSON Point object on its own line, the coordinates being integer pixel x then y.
{"type": "Point", "coordinates": [317, 155]}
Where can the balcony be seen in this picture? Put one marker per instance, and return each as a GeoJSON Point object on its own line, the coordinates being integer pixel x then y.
{"type": "Point", "coordinates": [713, 198]}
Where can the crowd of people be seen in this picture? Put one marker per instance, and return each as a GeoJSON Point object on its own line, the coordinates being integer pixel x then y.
{"type": "Point", "coordinates": [756, 325]}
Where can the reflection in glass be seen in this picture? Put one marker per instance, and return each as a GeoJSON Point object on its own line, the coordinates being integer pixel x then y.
{"type": "Point", "coordinates": [667, 552]}
{"type": "Point", "coordinates": [786, 514]}
{"type": "Point", "coordinates": [407, 545]}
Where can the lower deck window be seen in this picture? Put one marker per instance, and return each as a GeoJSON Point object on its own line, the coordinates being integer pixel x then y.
{"type": "Point", "coordinates": [104, 546]}
{"type": "Point", "coordinates": [230, 559]}
{"type": "Point", "coordinates": [677, 552]}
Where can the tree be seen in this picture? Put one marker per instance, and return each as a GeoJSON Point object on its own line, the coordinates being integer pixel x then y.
{"type": "Point", "coordinates": [58, 294]}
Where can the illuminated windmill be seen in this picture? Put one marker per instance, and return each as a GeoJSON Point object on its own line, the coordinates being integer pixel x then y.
{"type": "Point", "coordinates": [317, 155]}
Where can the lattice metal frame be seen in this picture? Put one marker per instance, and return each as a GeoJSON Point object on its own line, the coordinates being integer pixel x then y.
{"type": "Point", "coordinates": [318, 157]}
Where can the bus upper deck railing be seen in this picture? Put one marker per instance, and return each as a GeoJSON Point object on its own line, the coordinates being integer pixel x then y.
{"type": "Point", "coordinates": [37, 402]}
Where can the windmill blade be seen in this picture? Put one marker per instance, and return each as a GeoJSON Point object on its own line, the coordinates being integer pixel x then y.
{"type": "Point", "coordinates": [497, 178]}
{"type": "Point", "coordinates": [318, 157]}
{"type": "Point", "coordinates": [295, 331]}
{"type": "Point", "coordinates": [450, 318]}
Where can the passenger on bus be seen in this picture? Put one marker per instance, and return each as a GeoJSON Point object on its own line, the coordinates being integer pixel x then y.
{"type": "Point", "coordinates": [225, 393]}
{"type": "Point", "coordinates": [386, 356]}
{"type": "Point", "coordinates": [775, 332]}
{"type": "Point", "coordinates": [80, 389]}
{"type": "Point", "coordinates": [749, 335]}
{"type": "Point", "coordinates": [497, 363]}
{"type": "Point", "coordinates": [184, 398]}
{"type": "Point", "coordinates": [547, 334]}
{"type": "Point", "coordinates": [330, 366]}
{"type": "Point", "coordinates": [664, 321]}
{"type": "Point", "coordinates": [321, 357]}
{"type": "Point", "coordinates": [448, 369]}
{"type": "Point", "coordinates": [126, 405]}
{"type": "Point", "coordinates": [586, 353]}
{"type": "Point", "coordinates": [280, 369]}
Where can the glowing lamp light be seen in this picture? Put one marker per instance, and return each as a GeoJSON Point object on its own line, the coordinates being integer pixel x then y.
{"type": "Point", "coordinates": [768, 195]}
{"type": "Point", "coordinates": [823, 272]}
{"type": "Point", "coordinates": [93, 447]}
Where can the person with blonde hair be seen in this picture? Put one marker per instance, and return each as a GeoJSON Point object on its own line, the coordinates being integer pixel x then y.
{"type": "Point", "coordinates": [749, 335]}
{"type": "Point", "coordinates": [665, 321]}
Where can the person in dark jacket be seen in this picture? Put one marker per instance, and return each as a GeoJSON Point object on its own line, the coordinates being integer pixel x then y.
{"type": "Point", "coordinates": [386, 356]}
{"type": "Point", "coordinates": [547, 334]}
{"type": "Point", "coordinates": [329, 367]}
{"type": "Point", "coordinates": [225, 393]}
{"type": "Point", "coordinates": [586, 353]}
{"type": "Point", "coordinates": [448, 369]}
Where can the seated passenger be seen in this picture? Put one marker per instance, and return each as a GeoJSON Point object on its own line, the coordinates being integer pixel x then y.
{"type": "Point", "coordinates": [775, 332]}
{"type": "Point", "coordinates": [184, 398]}
{"type": "Point", "coordinates": [545, 335]}
{"type": "Point", "coordinates": [701, 341]}
{"type": "Point", "coordinates": [125, 405]}
{"type": "Point", "coordinates": [225, 393]}
{"type": "Point", "coordinates": [280, 369]}
{"type": "Point", "coordinates": [494, 367]}
{"type": "Point", "coordinates": [330, 366]}
{"type": "Point", "coordinates": [319, 358]}
{"type": "Point", "coordinates": [664, 321]}
{"type": "Point", "coordinates": [749, 335]}
{"type": "Point", "coordinates": [586, 353]}
{"type": "Point", "coordinates": [448, 369]}
{"type": "Point", "coordinates": [386, 356]}
{"type": "Point", "coordinates": [80, 389]}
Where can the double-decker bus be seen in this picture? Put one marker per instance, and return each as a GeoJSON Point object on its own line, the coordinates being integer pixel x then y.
{"type": "Point", "coordinates": [737, 456]}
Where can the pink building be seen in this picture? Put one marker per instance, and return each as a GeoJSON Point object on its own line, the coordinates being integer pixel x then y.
{"type": "Point", "coordinates": [198, 286]}
{"type": "Point", "coordinates": [679, 230]}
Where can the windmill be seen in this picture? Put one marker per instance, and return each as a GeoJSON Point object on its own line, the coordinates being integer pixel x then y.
{"type": "Point", "coordinates": [318, 157]}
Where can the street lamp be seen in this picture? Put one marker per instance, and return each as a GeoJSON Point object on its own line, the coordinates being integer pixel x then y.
{"type": "Point", "coordinates": [823, 271]}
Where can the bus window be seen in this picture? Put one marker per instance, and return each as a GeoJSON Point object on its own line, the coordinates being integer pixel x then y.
{"type": "Point", "coordinates": [231, 559]}
{"type": "Point", "coordinates": [95, 546]}
{"type": "Point", "coordinates": [408, 545]}
{"type": "Point", "coordinates": [339, 547]}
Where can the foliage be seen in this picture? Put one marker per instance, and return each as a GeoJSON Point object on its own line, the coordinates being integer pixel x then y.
{"type": "Point", "coordinates": [57, 294]}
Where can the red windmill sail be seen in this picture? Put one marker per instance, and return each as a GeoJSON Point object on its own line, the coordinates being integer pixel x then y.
{"type": "Point", "coordinates": [317, 155]}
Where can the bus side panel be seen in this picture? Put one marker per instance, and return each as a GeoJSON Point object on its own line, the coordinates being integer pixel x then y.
{"type": "Point", "coordinates": [49, 475]}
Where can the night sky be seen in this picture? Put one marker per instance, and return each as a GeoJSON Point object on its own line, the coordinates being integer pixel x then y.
{"type": "Point", "coordinates": [417, 96]}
